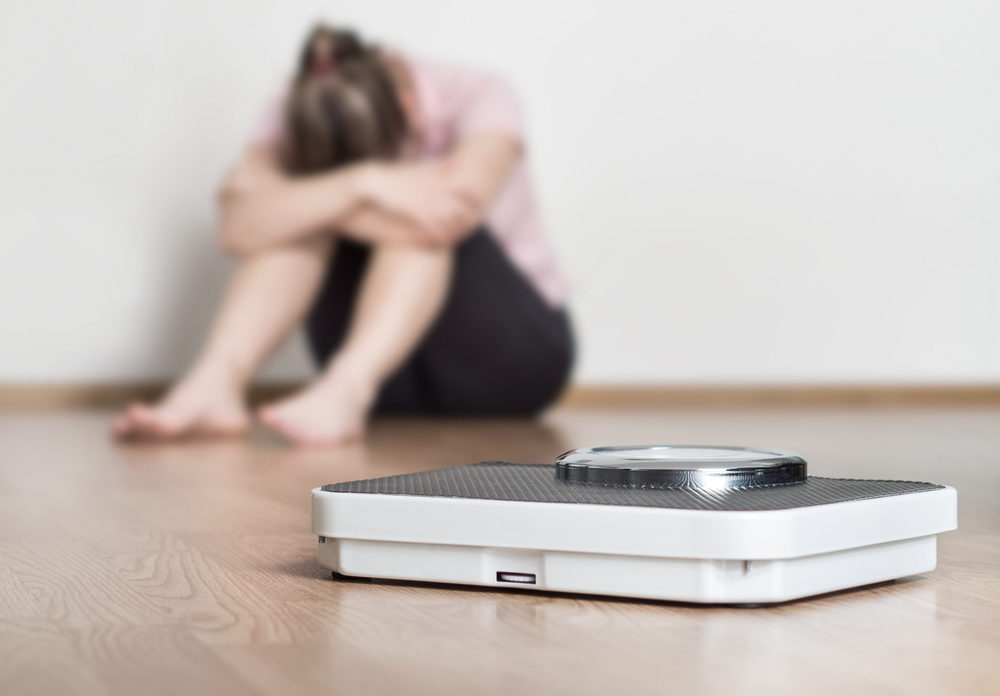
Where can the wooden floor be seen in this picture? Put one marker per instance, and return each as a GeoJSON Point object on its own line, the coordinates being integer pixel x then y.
{"type": "Point", "coordinates": [190, 569]}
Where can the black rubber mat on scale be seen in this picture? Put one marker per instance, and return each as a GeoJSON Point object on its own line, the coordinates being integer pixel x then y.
{"type": "Point", "coordinates": [536, 483]}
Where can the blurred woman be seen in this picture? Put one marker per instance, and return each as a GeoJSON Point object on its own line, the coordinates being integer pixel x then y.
{"type": "Point", "coordinates": [384, 200]}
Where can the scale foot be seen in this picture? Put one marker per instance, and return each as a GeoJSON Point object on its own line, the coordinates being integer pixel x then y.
{"type": "Point", "coordinates": [347, 578]}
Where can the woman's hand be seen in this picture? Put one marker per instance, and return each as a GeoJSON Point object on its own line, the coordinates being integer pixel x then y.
{"type": "Point", "coordinates": [425, 194]}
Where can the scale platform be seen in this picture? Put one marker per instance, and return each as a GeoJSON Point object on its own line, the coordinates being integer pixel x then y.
{"type": "Point", "coordinates": [706, 524]}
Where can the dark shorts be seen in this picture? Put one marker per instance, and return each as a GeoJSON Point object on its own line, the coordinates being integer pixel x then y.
{"type": "Point", "coordinates": [497, 348]}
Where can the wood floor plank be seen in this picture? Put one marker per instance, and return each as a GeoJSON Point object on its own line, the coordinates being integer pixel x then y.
{"type": "Point", "coordinates": [190, 568]}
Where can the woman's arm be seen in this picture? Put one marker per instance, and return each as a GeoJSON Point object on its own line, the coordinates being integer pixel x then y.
{"type": "Point", "coordinates": [474, 174]}
{"type": "Point", "coordinates": [481, 165]}
{"type": "Point", "coordinates": [432, 203]}
{"type": "Point", "coordinates": [261, 207]}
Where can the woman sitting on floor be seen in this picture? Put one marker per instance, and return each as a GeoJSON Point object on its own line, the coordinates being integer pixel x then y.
{"type": "Point", "coordinates": [386, 201]}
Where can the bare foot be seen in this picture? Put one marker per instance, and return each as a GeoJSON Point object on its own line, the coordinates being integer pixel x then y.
{"type": "Point", "coordinates": [201, 404]}
{"type": "Point", "coordinates": [331, 411]}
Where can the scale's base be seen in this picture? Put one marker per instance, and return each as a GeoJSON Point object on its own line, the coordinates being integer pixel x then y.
{"type": "Point", "coordinates": [675, 579]}
{"type": "Point", "coordinates": [505, 525]}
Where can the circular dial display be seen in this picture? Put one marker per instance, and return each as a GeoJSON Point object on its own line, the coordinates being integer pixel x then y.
{"type": "Point", "coordinates": [681, 466]}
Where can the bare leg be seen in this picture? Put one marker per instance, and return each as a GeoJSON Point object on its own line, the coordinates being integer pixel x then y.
{"type": "Point", "coordinates": [266, 299]}
{"type": "Point", "coordinates": [403, 291]}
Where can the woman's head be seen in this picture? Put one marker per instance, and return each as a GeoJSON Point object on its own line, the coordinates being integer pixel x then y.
{"type": "Point", "coordinates": [344, 105]}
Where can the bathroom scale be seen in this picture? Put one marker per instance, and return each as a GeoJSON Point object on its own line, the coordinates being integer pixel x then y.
{"type": "Point", "coordinates": [711, 524]}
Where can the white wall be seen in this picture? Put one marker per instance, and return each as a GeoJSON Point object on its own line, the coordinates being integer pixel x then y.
{"type": "Point", "coordinates": [765, 191]}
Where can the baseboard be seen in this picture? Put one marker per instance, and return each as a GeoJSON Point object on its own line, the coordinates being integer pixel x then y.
{"type": "Point", "coordinates": [108, 395]}
{"type": "Point", "coordinates": [15, 396]}
{"type": "Point", "coordinates": [672, 396]}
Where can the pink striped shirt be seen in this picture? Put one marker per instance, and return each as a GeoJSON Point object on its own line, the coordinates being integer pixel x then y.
{"type": "Point", "coordinates": [455, 101]}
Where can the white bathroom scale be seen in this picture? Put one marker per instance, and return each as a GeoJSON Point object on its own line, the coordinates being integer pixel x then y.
{"type": "Point", "coordinates": [708, 524]}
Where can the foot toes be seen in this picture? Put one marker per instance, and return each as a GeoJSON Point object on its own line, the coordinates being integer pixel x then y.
{"type": "Point", "coordinates": [154, 423]}
{"type": "Point", "coordinates": [183, 411]}
{"type": "Point", "coordinates": [316, 417]}
{"type": "Point", "coordinates": [128, 424]}
{"type": "Point", "coordinates": [143, 418]}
